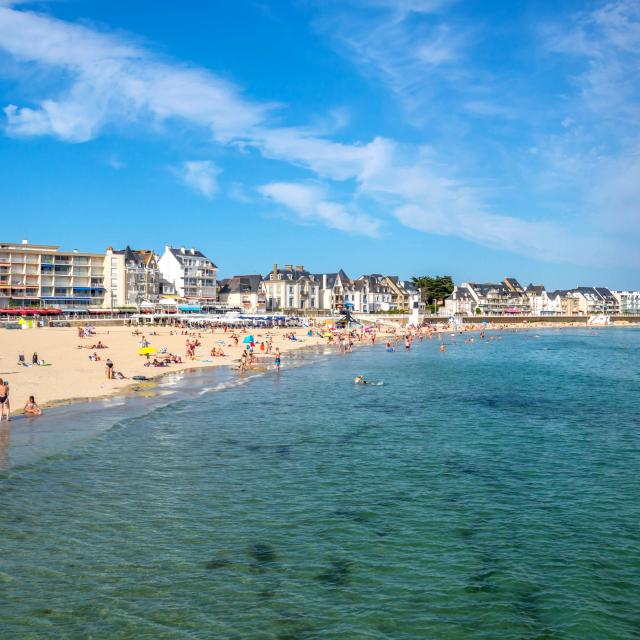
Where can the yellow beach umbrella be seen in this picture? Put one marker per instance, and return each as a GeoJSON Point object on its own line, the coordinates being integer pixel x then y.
{"type": "Point", "coordinates": [146, 351]}
{"type": "Point", "coordinates": [328, 335]}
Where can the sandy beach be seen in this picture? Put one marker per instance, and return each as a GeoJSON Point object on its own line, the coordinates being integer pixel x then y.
{"type": "Point", "coordinates": [69, 374]}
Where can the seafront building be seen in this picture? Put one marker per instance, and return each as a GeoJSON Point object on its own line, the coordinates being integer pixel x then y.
{"type": "Point", "coordinates": [34, 275]}
{"type": "Point", "coordinates": [488, 298]}
{"type": "Point", "coordinates": [295, 289]}
{"type": "Point", "coordinates": [184, 279]}
{"type": "Point", "coordinates": [291, 288]}
{"type": "Point", "coordinates": [132, 278]}
{"type": "Point", "coordinates": [628, 302]}
{"type": "Point", "coordinates": [191, 273]}
{"type": "Point", "coordinates": [243, 292]}
{"type": "Point", "coordinates": [508, 297]}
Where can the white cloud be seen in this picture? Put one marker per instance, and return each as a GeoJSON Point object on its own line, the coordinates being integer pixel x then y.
{"type": "Point", "coordinates": [310, 204]}
{"type": "Point", "coordinates": [113, 82]}
{"type": "Point", "coordinates": [200, 175]}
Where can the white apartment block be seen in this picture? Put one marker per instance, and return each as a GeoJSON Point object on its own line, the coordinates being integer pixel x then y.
{"type": "Point", "coordinates": [191, 273]}
{"type": "Point", "coordinates": [42, 275]}
{"type": "Point", "coordinates": [629, 301]}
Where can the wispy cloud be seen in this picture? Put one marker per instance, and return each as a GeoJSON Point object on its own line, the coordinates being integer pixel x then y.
{"type": "Point", "coordinates": [115, 163]}
{"type": "Point", "coordinates": [599, 150]}
{"type": "Point", "coordinates": [107, 82]}
{"type": "Point", "coordinates": [407, 45]}
{"type": "Point", "coordinates": [112, 82]}
{"type": "Point", "coordinates": [310, 204]}
{"type": "Point", "coordinates": [200, 175]}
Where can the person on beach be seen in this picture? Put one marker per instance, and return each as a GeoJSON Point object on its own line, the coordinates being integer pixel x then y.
{"type": "Point", "coordinates": [109, 369]}
{"type": "Point", "coordinates": [5, 409]}
{"type": "Point", "coordinates": [278, 360]}
{"type": "Point", "coordinates": [31, 407]}
{"type": "Point", "coordinates": [34, 358]}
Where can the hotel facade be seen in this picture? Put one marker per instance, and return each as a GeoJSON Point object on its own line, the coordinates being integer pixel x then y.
{"type": "Point", "coordinates": [32, 275]}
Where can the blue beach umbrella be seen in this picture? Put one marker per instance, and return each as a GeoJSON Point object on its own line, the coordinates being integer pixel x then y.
{"type": "Point", "coordinates": [248, 339]}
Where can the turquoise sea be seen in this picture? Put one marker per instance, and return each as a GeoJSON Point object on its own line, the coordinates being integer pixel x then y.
{"type": "Point", "coordinates": [488, 492]}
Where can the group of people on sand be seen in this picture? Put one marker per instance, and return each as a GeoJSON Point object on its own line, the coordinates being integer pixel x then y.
{"type": "Point", "coordinates": [31, 407]}
{"type": "Point", "coordinates": [35, 360]}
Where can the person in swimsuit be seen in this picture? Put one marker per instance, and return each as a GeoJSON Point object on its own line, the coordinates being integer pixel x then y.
{"type": "Point", "coordinates": [277, 361]}
{"type": "Point", "coordinates": [4, 401]}
{"type": "Point", "coordinates": [32, 408]}
{"type": "Point", "coordinates": [109, 368]}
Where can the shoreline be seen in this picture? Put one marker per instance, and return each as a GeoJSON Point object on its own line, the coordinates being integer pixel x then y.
{"type": "Point", "coordinates": [71, 421]}
{"type": "Point", "coordinates": [100, 389]}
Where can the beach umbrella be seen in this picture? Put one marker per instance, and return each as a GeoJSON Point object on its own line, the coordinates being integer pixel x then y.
{"type": "Point", "coordinates": [328, 335]}
{"type": "Point", "coordinates": [146, 351]}
{"type": "Point", "coordinates": [248, 339]}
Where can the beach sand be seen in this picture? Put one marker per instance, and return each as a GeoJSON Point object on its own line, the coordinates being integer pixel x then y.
{"type": "Point", "coordinates": [70, 375]}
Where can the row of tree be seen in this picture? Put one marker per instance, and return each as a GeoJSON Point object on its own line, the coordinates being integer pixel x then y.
{"type": "Point", "coordinates": [434, 289]}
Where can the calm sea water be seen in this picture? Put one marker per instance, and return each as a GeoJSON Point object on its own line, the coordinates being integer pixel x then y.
{"type": "Point", "coordinates": [492, 491]}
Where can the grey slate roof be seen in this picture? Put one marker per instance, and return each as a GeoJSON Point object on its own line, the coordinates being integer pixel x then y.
{"type": "Point", "coordinates": [177, 253]}
{"type": "Point", "coordinates": [241, 284]}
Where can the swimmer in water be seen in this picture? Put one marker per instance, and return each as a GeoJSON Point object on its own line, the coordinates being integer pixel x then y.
{"type": "Point", "coordinates": [360, 380]}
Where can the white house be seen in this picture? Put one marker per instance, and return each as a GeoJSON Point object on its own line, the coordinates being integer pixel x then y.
{"type": "Point", "coordinates": [291, 289]}
{"type": "Point", "coordinates": [192, 274]}
{"type": "Point", "coordinates": [539, 300]}
{"type": "Point", "coordinates": [461, 302]}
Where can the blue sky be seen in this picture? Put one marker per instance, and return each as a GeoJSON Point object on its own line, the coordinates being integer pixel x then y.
{"type": "Point", "coordinates": [480, 139]}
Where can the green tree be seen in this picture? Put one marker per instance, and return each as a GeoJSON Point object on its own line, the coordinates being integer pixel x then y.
{"type": "Point", "coordinates": [434, 289]}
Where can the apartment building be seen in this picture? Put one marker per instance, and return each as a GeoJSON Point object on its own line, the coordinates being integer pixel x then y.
{"type": "Point", "coordinates": [43, 275]}
{"type": "Point", "coordinates": [191, 273]}
{"type": "Point", "coordinates": [131, 277]}
{"type": "Point", "coordinates": [628, 301]}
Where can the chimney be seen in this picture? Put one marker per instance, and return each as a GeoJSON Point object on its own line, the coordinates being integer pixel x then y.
{"type": "Point", "coordinates": [181, 249]}
{"type": "Point", "coordinates": [288, 267]}
{"type": "Point", "coordinates": [275, 269]}
{"type": "Point", "coordinates": [299, 267]}
{"type": "Point", "coordinates": [193, 251]}
{"type": "Point", "coordinates": [25, 241]}
{"type": "Point", "coordinates": [324, 280]}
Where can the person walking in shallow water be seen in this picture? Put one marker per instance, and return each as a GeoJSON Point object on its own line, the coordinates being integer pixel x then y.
{"type": "Point", "coordinates": [5, 409]}
{"type": "Point", "coordinates": [277, 360]}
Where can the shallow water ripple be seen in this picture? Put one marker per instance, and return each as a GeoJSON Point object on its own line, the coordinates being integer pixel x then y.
{"type": "Point", "coordinates": [490, 492]}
